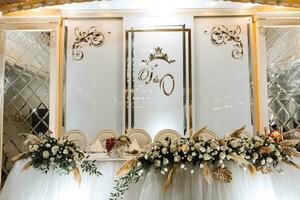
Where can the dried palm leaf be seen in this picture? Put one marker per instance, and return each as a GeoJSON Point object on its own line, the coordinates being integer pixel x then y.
{"type": "Point", "coordinates": [76, 174]}
{"type": "Point", "coordinates": [169, 178]}
{"type": "Point", "coordinates": [293, 153]}
{"type": "Point", "coordinates": [291, 163]}
{"type": "Point", "coordinates": [252, 169]}
{"type": "Point", "coordinates": [236, 133]}
{"type": "Point", "coordinates": [127, 166]}
{"type": "Point", "coordinates": [26, 166]}
{"type": "Point", "coordinates": [207, 173]}
{"type": "Point", "coordinates": [223, 174]}
{"type": "Point", "coordinates": [289, 143]}
{"type": "Point", "coordinates": [18, 157]}
{"type": "Point", "coordinates": [239, 159]}
{"type": "Point", "coordinates": [30, 138]}
{"type": "Point", "coordinates": [265, 169]}
{"type": "Point", "coordinates": [265, 150]}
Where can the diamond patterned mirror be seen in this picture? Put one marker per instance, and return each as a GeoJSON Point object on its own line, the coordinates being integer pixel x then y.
{"type": "Point", "coordinates": [26, 90]}
{"type": "Point", "coordinates": [283, 77]}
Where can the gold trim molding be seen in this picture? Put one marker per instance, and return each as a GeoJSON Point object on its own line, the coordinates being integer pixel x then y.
{"type": "Point", "coordinates": [27, 20]}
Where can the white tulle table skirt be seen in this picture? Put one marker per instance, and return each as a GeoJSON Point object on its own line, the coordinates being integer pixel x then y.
{"type": "Point", "coordinates": [33, 185]}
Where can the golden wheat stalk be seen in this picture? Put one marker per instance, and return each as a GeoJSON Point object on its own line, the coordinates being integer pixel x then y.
{"type": "Point", "coordinates": [127, 166]}
{"type": "Point", "coordinates": [169, 179]}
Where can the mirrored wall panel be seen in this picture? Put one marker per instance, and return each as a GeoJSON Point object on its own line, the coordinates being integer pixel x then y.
{"type": "Point", "coordinates": [222, 74]}
{"type": "Point", "coordinates": [26, 90]}
{"type": "Point", "coordinates": [283, 77]}
{"type": "Point", "coordinates": [94, 75]}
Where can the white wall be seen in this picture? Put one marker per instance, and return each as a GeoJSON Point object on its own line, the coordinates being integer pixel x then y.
{"type": "Point", "coordinates": [94, 84]}
{"type": "Point", "coordinates": [222, 85]}
{"type": "Point", "coordinates": [154, 111]}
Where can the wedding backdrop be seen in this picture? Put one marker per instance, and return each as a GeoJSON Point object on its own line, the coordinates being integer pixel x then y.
{"type": "Point", "coordinates": [149, 100]}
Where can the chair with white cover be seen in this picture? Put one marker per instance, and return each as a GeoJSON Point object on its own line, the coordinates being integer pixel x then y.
{"type": "Point", "coordinates": [78, 137]}
{"type": "Point", "coordinates": [139, 136]}
{"type": "Point", "coordinates": [167, 133]}
{"type": "Point", "coordinates": [206, 133]}
{"type": "Point", "coordinates": [97, 143]}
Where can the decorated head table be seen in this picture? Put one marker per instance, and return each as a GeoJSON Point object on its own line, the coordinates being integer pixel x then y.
{"type": "Point", "coordinates": [236, 167]}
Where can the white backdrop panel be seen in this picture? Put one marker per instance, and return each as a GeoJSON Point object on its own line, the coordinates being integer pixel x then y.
{"type": "Point", "coordinates": [222, 83]}
{"type": "Point", "coordinates": [94, 83]}
{"type": "Point", "coordinates": [154, 111]}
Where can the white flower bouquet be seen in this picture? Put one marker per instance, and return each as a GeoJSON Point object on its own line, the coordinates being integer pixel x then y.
{"type": "Point", "coordinates": [187, 154]}
{"type": "Point", "coordinates": [60, 155]}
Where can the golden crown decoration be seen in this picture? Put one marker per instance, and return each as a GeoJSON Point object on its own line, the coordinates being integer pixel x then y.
{"type": "Point", "coordinates": [158, 55]}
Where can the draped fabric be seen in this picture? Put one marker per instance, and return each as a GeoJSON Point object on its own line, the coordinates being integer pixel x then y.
{"type": "Point", "coordinates": [32, 185]}
{"type": "Point", "coordinates": [7, 6]}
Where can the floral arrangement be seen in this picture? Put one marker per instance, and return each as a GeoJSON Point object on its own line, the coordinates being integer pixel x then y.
{"type": "Point", "coordinates": [116, 143]}
{"type": "Point", "coordinates": [210, 155]}
{"type": "Point", "coordinates": [47, 153]}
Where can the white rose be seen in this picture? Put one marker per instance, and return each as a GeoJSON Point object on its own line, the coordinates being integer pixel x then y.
{"type": "Point", "coordinates": [65, 151]}
{"type": "Point", "coordinates": [202, 149]}
{"type": "Point", "coordinates": [173, 148]}
{"type": "Point", "coordinates": [155, 154]}
{"type": "Point", "coordinates": [165, 143]}
{"type": "Point", "coordinates": [157, 163]}
{"type": "Point", "coordinates": [234, 143]}
{"type": "Point", "coordinates": [255, 156]}
{"type": "Point", "coordinates": [35, 147]}
{"type": "Point", "coordinates": [263, 162]}
{"type": "Point", "coordinates": [206, 157]}
{"type": "Point", "coordinates": [177, 158]}
{"type": "Point", "coordinates": [164, 150]}
{"type": "Point", "coordinates": [194, 153]}
{"type": "Point", "coordinates": [224, 148]}
{"type": "Point", "coordinates": [48, 145]}
{"type": "Point", "coordinates": [197, 146]}
{"type": "Point", "coordinates": [242, 149]}
{"type": "Point", "coordinates": [277, 153]}
{"type": "Point", "coordinates": [54, 149]}
{"type": "Point", "coordinates": [46, 154]}
{"type": "Point", "coordinates": [222, 155]}
{"type": "Point", "coordinates": [190, 158]}
{"type": "Point", "coordinates": [269, 160]}
{"type": "Point", "coordinates": [165, 161]}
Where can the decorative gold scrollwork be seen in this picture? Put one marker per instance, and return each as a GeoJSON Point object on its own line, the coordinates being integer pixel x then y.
{"type": "Point", "coordinates": [220, 35]}
{"type": "Point", "coordinates": [92, 37]}
{"type": "Point", "coordinates": [158, 54]}
{"type": "Point", "coordinates": [147, 73]}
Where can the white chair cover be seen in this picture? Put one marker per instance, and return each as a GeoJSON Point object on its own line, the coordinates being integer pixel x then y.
{"type": "Point", "coordinates": [78, 137]}
{"type": "Point", "coordinates": [140, 136]}
{"type": "Point", "coordinates": [97, 143]}
{"type": "Point", "coordinates": [167, 133]}
{"type": "Point", "coordinates": [208, 134]}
